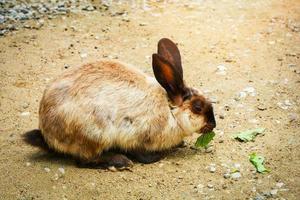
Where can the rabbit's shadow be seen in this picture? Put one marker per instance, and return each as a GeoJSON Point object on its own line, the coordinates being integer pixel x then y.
{"type": "Point", "coordinates": [46, 155]}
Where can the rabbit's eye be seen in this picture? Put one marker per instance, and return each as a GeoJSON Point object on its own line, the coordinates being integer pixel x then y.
{"type": "Point", "coordinates": [197, 106]}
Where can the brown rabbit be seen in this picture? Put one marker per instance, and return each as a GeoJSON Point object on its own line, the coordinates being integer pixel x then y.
{"type": "Point", "coordinates": [108, 105]}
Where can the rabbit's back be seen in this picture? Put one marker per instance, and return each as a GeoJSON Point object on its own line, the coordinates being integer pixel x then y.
{"type": "Point", "coordinates": [103, 105]}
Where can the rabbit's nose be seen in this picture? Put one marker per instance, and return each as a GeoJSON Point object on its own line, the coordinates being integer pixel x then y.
{"type": "Point", "coordinates": [210, 118]}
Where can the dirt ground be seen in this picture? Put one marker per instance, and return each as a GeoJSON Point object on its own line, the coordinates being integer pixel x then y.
{"type": "Point", "coordinates": [256, 41]}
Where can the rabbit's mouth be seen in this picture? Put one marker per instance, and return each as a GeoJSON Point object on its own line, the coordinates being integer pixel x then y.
{"type": "Point", "coordinates": [207, 128]}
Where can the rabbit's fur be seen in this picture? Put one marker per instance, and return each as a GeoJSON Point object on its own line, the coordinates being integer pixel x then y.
{"type": "Point", "coordinates": [107, 104]}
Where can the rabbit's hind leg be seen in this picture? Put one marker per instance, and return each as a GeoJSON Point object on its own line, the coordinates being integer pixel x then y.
{"type": "Point", "coordinates": [106, 160]}
{"type": "Point", "coordinates": [146, 157]}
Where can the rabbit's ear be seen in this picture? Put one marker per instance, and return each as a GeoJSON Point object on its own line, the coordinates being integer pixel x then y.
{"type": "Point", "coordinates": [169, 78]}
{"type": "Point", "coordinates": [170, 52]}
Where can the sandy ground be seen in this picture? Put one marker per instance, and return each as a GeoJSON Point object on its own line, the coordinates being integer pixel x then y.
{"type": "Point", "coordinates": [257, 41]}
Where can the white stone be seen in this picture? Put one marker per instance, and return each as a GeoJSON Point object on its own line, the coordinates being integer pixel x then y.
{"type": "Point", "coordinates": [221, 70]}
{"type": "Point", "coordinates": [274, 192]}
{"type": "Point", "coordinates": [212, 169]}
{"type": "Point", "coordinates": [47, 169]}
{"type": "Point", "coordinates": [24, 114]}
{"type": "Point", "coordinates": [279, 185]}
{"type": "Point", "coordinates": [236, 175]}
{"type": "Point", "coordinates": [61, 170]}
{"type": "Point", "coordinates": [83, 55]}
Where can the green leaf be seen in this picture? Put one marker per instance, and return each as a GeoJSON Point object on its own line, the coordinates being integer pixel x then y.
{"type": "Point", "coordinates": [248, 135]}
{"type": "Point", "coordinates": [204, 139]}
{"type": "Point", "coordinates": [258, 162]}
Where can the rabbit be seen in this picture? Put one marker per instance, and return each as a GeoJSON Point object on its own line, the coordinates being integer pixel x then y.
{"type": "Point", "coordinates": [107, 105]}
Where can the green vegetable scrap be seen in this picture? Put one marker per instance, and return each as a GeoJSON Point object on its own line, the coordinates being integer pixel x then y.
{"type": "Point", "coordinates": [204, 139]}
{"type": "Point", "coordinates": [248, 135]}
{"type": "Point", "coordinates": [258, 161]}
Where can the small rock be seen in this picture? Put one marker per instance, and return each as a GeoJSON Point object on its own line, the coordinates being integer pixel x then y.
{"type": "Point", "coordinates": [24, 114]}
{"type": "Point", "coordinates": [250, 90]}
{"type": "Point", "coordinates": [209, 149]}
{"type": "Point", "coordinates": [83, 55]}
{"type": "Point", "coordinates": [88, 8]}
{"type": "Point", "coordinates": [160, 165]}
{"type": "Point", "coordinates": [271, 42]}
{"type": "Point", "coordinates": [242, 94]}
{"type": "Point", "coordinates": [287, 103]}
{"type": "Point", "coordinates": [236, 176]}
{"type": "Point", "coordinates": [28, 164]}
{"type": "Point", "coordinates": [279, 185]}
{"type": "Point", "coordinates": [292, 65]}
{"type": "Point", "coordinates": [262, 107]}
{"type": "Point", "coordinates": [221, 70]}
{"type": "Point", "coordinates": [66, 66]}
{"type": "Point", "coordinates": [112, 169]}
{"type": "Point", "coordinates": [210, 186]}
{"type": "Point", "coordinates": [61, 170]}
{"type": "Point", "coordinates": [213, 99]}
{"type": "Point", "coordinates": [25, 105]}
{"type": "Point", "coordinates": [292, 117]}
{"type": "Point", "coordinates": [259, 197]}
{"type": "Point", "coordinates": [267, 194]}
{"type": "Point", "coordinates": [212, 169]}
{"type": "Point", "coordinates": [226, 175]}
{"type": "Point", "coordinates": [200, 186]}
{"type": "Point", "coordinates": [273, 192]}
{"type": "Point", "coordinates": [47, 169]}
{"type": "Point", "coordinates": [282, 106]}
{"type": "Point", "coordinates": [56, 177]}
{"type": "Point", "coordinates": [2, 19]}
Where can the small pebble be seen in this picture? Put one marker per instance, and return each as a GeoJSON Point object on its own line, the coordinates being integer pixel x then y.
{"type": "Point", "coordinates": [56, 177]}
{"type": "Point", "coordinates": [83, 55]}
{"type": "Point", "coordinates": [200, 186]}
{"type": "Point", "coordinates": [210, 186]}
{"type": "Point", "coordinates": [273, 192]}
{"type": "Point", "coordinates": [212, 169]}
{"type": "Point", "coordinates": [25, 105]}
{"type": "Point", "coordinates": [236, 176]}
{"type": "Point", "coordinates": [24, 114]}
{"type": "Point", "coordinates": [292, 65]}
{"type": "Point", "coordinates": [209, 149]}
{"type": "Point", "coordinates": [226, 175]}
{"type": "Point", "coordinates": [259, 197]}
{"type": "Point", "coordinates": [112, 169]}
{"type": "Point", "coordinates": [262, 107]}
{"type": "Point", "coordinates": [279, 185]}
{"type": "Point", "coordinates": [28, 164]}
{"type": "Point", "coordinates": [47, 169]}
{"type": "Point", "coordinates": [61, 170]}
{"type": "Point", "coordinates": [221, 70]}
{"type": "Point", "coordinates": [292, 117]}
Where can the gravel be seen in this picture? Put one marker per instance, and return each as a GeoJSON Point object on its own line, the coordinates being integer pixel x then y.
{"type": "Point", "coordinates": [15, 14]}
